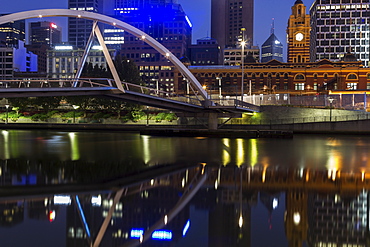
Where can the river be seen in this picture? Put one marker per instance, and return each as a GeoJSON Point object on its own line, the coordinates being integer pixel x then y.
{"type": "Point", "coordinates": [58, 189]}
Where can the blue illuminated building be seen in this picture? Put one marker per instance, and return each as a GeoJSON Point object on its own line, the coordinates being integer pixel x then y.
{"type": "Point", "coordinates": [272, 49]}
{"type": "Point", "coordinates": [165, 21]}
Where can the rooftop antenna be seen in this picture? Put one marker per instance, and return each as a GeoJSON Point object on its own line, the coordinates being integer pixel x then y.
{"type": "Point", "coordinates": [273, 26]}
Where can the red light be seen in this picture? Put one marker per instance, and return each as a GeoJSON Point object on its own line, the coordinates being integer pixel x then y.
{"type": "Point", "coordinates": [53, 25]}
{"type": "Point", "coordinates": [51, 215]}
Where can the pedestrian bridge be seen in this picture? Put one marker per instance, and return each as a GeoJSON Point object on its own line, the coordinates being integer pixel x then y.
{"type": "Point", "coordinates": [132, 93]}
{"type": "Point", "coordinates": [199, 103]}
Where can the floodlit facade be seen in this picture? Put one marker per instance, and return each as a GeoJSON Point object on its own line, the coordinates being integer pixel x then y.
{"type": "Point", "coordinates": [63, 61]}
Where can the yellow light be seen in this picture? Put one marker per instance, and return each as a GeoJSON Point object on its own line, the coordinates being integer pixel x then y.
{"type": "Point", "coordinates": [296, 218]}
{"type": "Point", "coordinates": [165, 219]}
{"type": "Point", "coordinates": [240, 221]}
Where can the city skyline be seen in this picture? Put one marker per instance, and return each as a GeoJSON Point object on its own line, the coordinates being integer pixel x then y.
{"type": "Point", "coordinates": [198, 13]}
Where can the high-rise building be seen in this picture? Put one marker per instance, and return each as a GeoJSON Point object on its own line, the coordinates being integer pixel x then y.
{"type": "Point", "coordinates": [11, 32]}
{"type": "Point", "coordinates": [298, 32]}
{"type": "Point", "coordinates": [79, 29]}
{"type": "Point", "coordinates": [228, 20]}
{"type": "Point", "coordinates": [44, 32]}
{"type": "Point", "coordinates": [166, 22]}
{"type": "Point", "coordinates": [205, 52]}
{"type": "Point", "coordinates": [272, 49]}
{"type": "Point", "coordinates": [339, 27]}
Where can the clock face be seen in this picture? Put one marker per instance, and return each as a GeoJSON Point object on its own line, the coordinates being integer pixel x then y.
{"type": "Point", "coordinates": [299, 37]}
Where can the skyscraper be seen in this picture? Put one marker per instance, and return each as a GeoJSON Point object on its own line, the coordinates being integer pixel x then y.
{"type": "Point", "coordinates": [163, 20]}
{"type": "Point", "coordinates": [79, 29]}
{"type": "Point", "coordinates": [272, 49]}
{"type": "Point", "coordinates": [228, 18]}
{"type": "Point", "coordinates": [11, 32]}
{"type": "Point", "coordinates": [44, 32]}
{"type": "Point", "coordinates": [339, 27]}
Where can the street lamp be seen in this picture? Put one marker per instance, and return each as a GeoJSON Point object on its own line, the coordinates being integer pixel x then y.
{"type": "Point", "coordinates": [242, 43]}
{"type": "Point", "coordinates": [6, 106]}
{"type": "Point", "coordinates": [75, 107]}
{"type": "Point", "coordinates": [331, 106]}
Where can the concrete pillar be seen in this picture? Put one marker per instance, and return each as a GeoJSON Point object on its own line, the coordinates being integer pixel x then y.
{"type": "Point", "coordinates": [212, 121]}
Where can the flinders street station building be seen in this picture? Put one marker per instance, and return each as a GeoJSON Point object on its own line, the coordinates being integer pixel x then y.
{"type": "Point", "coordinates": [298, 76]}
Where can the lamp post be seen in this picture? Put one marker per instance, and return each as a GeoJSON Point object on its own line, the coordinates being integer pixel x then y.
{"type": "Point", "coordinates": [242, 43]}
{"type": "Point", "coordinates": [75, 107]}
{"type": "Point", "coordinates": [331, 107]}
{"type": "Point", "coordinates": [6, 106]}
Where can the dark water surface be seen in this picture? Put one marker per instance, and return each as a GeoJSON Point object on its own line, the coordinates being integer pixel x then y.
{"type": "Point", "coordinates": [123, 189]}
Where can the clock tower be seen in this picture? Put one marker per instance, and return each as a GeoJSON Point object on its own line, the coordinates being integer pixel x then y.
{"type": "Point", "coordinates": [298, 34]}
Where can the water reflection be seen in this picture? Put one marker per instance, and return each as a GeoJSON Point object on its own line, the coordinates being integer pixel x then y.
{"type": "Point", "coordinates": [192, 206]}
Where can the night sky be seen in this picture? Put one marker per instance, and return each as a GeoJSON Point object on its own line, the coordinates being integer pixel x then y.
{"type": "Point", "coordinates": [199, 14]}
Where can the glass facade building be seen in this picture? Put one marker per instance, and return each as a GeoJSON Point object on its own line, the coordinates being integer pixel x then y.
{"type": "Point", "coordinates": [339, 27]}
{"type": "Point", "coordinates": [272, 49]}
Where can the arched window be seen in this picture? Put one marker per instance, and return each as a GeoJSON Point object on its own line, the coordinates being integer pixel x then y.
{"type": "Point", "coordinates": [299, 77]}
{"type": "Point", "coordinates": [352, 77]}
{"type": "Point", "coordinates": [325, 76]}
{"type": "Point", "coordinates": [315, 76]}
{"type": "Point", "coordinates": [261, 76]}
{"type": "Point", "coordinates": [368, 76]}
{"type": "Point", "coordinates": [286, 76]}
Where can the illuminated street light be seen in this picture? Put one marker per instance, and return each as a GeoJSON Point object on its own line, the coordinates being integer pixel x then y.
{"type": "Point", "coordinates": [6, 106]}
{"type": "Point", "coordinates": [75, 107]}
{"type": "Point", "coordinates": [242, 43]}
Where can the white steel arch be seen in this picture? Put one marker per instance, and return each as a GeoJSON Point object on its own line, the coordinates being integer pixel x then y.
{"type": "Point", "coordinates": [114, 22]}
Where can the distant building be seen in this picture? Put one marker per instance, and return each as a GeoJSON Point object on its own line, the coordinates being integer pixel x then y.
{"type": "Point", "coordinates": [339, 27]}
{"type": "Point", "coordinates": [16, 59]}
{"type": "Point", "coordinates": [11, 32]}
{"type": "Point", "coordinates": [272, 49]}
{"type": "Point", "coordinates": [228, 17]}
{"type": "Point", "coordinates": [79, 29]}
{"type": "Point", "coordinates": [233, 56]}
{"type": "Point", "coordinates": [41, 51]}
{"type": "Point", "coordinates": [44, 32]}
{"type": "Point", "coordinates": [205, 52]}
{"type": "Point", "coordinates": [63, 61]}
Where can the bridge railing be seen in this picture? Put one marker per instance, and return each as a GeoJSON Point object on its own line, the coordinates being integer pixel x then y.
{"type": "Point", "coordinates": [162, 94]}
{"type": "Point", "coordinates": [54, 83]}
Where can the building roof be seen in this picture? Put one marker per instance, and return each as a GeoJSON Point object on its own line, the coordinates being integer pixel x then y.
{"type": "Point", "coordinates": [272, 40]}
{"type": "Point", "coordinates": [298, 2]}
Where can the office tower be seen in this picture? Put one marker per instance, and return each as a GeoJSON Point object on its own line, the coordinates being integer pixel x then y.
{"type": "Point", "coordinates": [339, 27]}
{"type": "Point", "coordinates": [44, 32]}
{"type": "Point", "coordinates": [205, 52]}
{"type": "Point", "coordinates": [298, 32]}
{"type": "Point", "coordinates": [11, 32]}
{"type": "Point", "coordinates": [272, 48]}
{"type": "Point", "coordinates": [79, 29]}
{"type": "Point", "coordinates": [228, 18]}
{"type": "Point", "coordinates": [166, 22]}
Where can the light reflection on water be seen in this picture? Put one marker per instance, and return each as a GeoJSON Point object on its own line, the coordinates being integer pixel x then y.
{"type": "Point", "coordinates": [258, 192]}
{"type": "Point", "coordinates": [348, 153]}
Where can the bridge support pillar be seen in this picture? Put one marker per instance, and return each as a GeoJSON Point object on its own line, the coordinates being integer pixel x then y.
{"type": "Point", "coordinates": [212, 121]}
